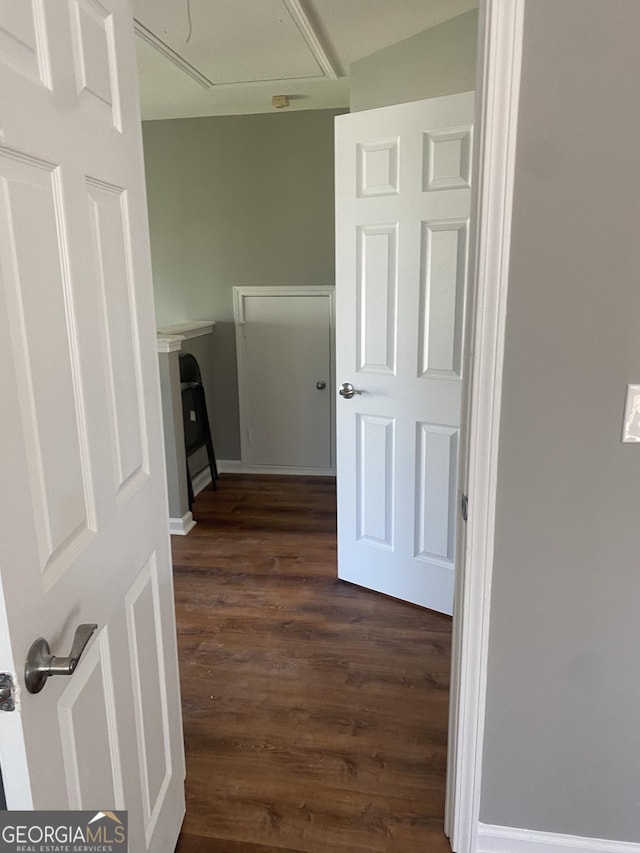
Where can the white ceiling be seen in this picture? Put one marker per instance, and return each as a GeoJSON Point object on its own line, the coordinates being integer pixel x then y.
{"type": "Point", "coordinates": [223, 57]}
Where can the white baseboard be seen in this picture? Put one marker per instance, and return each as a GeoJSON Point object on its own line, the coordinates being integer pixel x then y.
{"type": "Point", "coordinates": [236, 466]}
{"type": "Point", "coordinates": [201, 480]}
{"type": "Point", "coordinates": [505, 839]}
{"type": "Point", "coordinates": [181, 526]}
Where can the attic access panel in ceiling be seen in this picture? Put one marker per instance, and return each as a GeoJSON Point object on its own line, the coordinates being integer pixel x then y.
{"type": "Point", "coordinates": [231, 42]}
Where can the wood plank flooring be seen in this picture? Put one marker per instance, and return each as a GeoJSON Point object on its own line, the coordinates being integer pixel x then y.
{"type": "Point", "coordinates": [315, 712]}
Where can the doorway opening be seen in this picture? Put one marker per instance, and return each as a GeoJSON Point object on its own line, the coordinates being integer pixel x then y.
{"type": "Point", "coordinates": [403, 305]}
{"type": "Point", "coordinates": [489, 256]}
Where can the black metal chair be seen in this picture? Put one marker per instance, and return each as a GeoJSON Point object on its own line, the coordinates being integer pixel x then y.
{"type": "Point", "coordinates": [195, 418]}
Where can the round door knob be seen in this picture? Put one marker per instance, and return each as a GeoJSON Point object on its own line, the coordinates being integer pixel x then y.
{"type": "Point", "coordinates": [348, 391]}
{"type": "Point", "coordinates": [321, 384]}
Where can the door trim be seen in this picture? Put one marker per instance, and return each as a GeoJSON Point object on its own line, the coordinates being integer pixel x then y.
{"type": "Point", "coordinates": [498, 89]}
{"type": "Point", "coordinates": [239, 294]}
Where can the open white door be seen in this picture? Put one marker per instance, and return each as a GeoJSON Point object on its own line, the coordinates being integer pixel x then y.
{"type": "Point", "coordinates": [403, 178]}
{"type": "Point", "coordinates": [83, 512]}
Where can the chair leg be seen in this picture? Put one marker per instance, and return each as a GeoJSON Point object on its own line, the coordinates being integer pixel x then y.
{"type": "Point", "coordinates": [212, 462]}
{"type": "Point", "coordinates": [189, 488]}
{"type": "Point", "coordinates": [210, 452]}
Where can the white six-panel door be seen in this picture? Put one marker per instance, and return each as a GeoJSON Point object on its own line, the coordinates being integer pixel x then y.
{"type": "Point", "coordinates": [83, 498]}
{"type": "Point", "coordinates": [403, 177]}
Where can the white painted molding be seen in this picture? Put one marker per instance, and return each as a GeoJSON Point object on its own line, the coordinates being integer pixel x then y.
{"type": "Point", "coordinates": [236, 466]}
{"type": "Point", "coordinates": [170, 343]}
{"type": "Point", "coordinates": [181, 526]}
{"type": "Point", "coordinates": [152, 39]}
{"type": "Point", "coordinates": [309, 34]}
{"type": "Point", "coordinates": [277, 290]}
{"type": "Point", "coordinates": [171, 338]}
{"type": "Point", "coordinates": [201, 480]}
{"type": "Point", "coordinates": [505, 839]}
{"type": "Point", "coordinates": [497, 116]}
{"type": "Point", "coordinates": [188, 330]}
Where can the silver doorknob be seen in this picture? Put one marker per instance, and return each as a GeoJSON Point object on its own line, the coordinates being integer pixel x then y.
{"type": "Point", "coordinates": [41, 663]}
{"type": "Point", "coordinates": [348, 391]}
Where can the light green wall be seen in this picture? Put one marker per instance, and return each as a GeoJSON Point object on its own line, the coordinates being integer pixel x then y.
{"type": "Point", "coordinates": [561, 750]}
{"type": "Point", "coordinates": [248, 200]}
{"type": "Point", "coordinates": [439, 61]}
{"type": "Point", "coordinates": [236, 200]}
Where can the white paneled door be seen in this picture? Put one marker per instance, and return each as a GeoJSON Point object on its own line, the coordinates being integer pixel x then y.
{"type": "Point", "coordinates": [83, 510]}
{"type": "Point", "coordinates": [403, 177]}
{"type": "Point", "coordinates": [284, 339]}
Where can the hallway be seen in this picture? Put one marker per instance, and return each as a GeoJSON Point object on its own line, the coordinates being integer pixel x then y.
{"type": "Point", "coordinates": [315, 712]}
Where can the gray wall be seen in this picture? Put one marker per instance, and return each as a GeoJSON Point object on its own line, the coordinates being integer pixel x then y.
{"type": "Point", "coordinates": [236, 200]}
{"type": "Point", "coordinates": [439, 61]}
{"type": "Point", "coordinates": [562, 751]}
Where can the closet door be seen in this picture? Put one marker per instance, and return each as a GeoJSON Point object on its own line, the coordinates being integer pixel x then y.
{"type": "Point", "coordinates": [285, 353]}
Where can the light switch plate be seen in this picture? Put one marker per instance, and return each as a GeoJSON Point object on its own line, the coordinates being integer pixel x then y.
{"type": "Point", "coordinates": [631, 423]}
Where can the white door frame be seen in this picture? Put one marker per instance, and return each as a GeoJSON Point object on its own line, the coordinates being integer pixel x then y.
{"type": "Point", "coordinates": [239, 294]}
{"type": "Point", "coordinates": [500, 49]}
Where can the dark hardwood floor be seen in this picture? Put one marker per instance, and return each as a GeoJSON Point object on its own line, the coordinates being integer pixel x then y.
{"type": "Point", "coordinates": [315, 712]}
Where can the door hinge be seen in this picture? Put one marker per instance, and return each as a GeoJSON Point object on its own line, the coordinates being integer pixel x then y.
{"type": "Point", "coordinates": [7, 692]}
{"type": "Point", "coordinates": [464, 507]}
